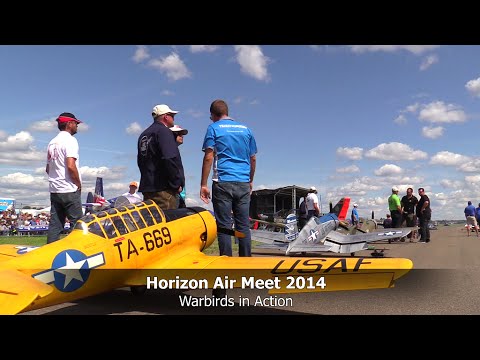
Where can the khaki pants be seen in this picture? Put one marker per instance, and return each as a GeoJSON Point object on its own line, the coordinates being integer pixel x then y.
{"type": "Point", "coordinates": [166, 199]}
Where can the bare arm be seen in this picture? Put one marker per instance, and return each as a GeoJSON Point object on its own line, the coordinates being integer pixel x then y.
{"type": "Point", "coordinates": [253, 166]}
{"type": "Point", "coordinates": [317, 209]}
{"type": "Point", "coordinates": [206, 166]}
{"type": "Point", "coordinates": [73, 171]}
{"type": "Point", "coordinates": [425, 204]}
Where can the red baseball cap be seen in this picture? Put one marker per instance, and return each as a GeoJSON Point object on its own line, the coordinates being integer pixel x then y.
{"type": "Point", "coordinates": [66, 117]}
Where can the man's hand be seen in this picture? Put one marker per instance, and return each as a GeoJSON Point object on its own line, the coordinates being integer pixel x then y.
{"type": "Point", "coordinates": [205, 194]}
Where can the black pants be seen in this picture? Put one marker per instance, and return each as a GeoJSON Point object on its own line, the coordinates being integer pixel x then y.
{"type": "Point", "coordinates": [396, 218]}
{"type": "Point", "coordinates": [301, 223]}
{"type": "Point", "coordinates": [424, 230]}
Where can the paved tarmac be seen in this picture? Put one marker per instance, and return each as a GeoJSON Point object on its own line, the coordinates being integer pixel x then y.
{"type": "Point", "coordinates": [445, 280]}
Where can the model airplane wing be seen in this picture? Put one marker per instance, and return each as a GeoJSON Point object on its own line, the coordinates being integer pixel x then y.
{"type": "Point", "coordinates": [341, 243]}
{"type": "Point", "coordinates": [268, 237]}
{"type": "Point", "coordinates": [17, 291]}
{"type": "Point", "coordinates": [337, 273]}
{"type": "Point", "coordinates": [8, 251]}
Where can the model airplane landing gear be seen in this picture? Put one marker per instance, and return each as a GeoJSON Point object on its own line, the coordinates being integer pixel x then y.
{"type": "Point", "coordinates": [138, 290]}
{"type": "Point", "coordinates": [378, 253]}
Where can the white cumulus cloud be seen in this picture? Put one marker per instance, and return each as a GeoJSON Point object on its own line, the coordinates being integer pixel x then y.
{"type": "Point", "coordinates": [354, 153]}
{"type": "Point", "coordinates": [141, 54]}
{"type": "Point", "coordinates": [45, 126]}
{"type": "Point", "coordinates": [448, 158]}
{"type": "Point", "coordinates": [473, 87]}
{"type": "Point", "coordinates": [172, 66]}
{"type": "Point", "coordinates": [453, 184]}
{"type": "Point", "coordinates": [395, 151]}
{"type": "Point", "coordinates": [134, 129]}
{"type": "Point", "coordinates": [348, 169]}
{"type": "Point", "coordinates": [439, 112]}
{"type": "Point", "coordinates": [414, 49]}
{"type": "Point", "coordinates": [472, 165]}
{"type": "Point", "coordinates": [432, 132]}
{"type": "Point", "coordinates": [428, 61]}
{"type": "Point", "coordinates": [203, 48]}
{"type": "Point", "coordinates": [252, 61]}
{"type": "Point", "coordinates": [388, 170]}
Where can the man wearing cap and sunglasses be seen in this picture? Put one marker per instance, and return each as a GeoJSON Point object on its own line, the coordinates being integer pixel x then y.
{"type": "Point", "coordinates": [159, 161]}
{"type": "Point", "coordinates": [65, 183]}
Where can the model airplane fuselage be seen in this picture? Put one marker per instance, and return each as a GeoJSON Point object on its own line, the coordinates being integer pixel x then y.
{"type": "Point", "coordinates": [125, 246]}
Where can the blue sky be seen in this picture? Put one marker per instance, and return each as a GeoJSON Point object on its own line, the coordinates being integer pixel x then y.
{"type": "Point", "coordinates": [350, 120]}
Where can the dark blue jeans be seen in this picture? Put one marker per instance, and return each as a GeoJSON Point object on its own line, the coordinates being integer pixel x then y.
{"type": "Point", "coordinates": [66, 205]}
{"type": "Point", "coordinates": [228, 197]}
{"type": "Point", "coordinates": [424, 230]}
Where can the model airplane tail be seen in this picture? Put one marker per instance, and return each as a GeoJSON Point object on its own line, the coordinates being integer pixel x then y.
{"type": "Point", "coordinates": [97, 201]}
{"type": "Point", "coordinates": [99, 187]}
{"type": "Point", "coordinates": [341, 209]}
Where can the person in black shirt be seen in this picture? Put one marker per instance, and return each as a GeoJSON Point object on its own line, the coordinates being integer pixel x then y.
{"type": "Point", "coordinates": [408, 204]}
{"type": "Point", "coordinates": [302, 214]}
{"type": "Point", "coordinates": [159, 161]}
{"type": "Point", "coordinates": [424, 214]}
{"type": "Point", "coordinates": [387, 223]}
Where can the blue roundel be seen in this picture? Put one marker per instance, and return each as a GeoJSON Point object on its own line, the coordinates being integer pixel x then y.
{"type": "Point", "coordinates": [70, 269]}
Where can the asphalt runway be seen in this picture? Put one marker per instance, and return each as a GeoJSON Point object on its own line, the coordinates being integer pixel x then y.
{"type": "Point", "coordinates": [445, 281]}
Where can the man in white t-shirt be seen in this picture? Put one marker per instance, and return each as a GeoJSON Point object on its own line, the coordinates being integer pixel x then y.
{"type": "Point", "coordinates": [65, 182]}
{"type": "Point", "coordinates": [312, 203]}
{"type": "Point", "coordinates": [132, 194]}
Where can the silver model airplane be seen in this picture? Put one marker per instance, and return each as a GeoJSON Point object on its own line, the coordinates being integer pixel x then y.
{"type": "Point", "coordinates": [320, 235]}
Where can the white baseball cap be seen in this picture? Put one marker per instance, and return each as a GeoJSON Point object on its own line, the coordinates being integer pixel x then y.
{"type": "Point", "coordinates": [355, 205]}
{"type": "Point", "coordinates": [179, 129]}
{"type": "Point", "coordinates": [162, 109]}
{"type": "Point", "coordinates": [395, 189]}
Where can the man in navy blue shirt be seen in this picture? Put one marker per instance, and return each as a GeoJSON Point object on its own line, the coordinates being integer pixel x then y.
{"type": "Point", "coordinates": [159, 161]}
{"type": "Point", "coordinates": [231, 147]}
{"type": "Point", "coordinates": [470, 216]}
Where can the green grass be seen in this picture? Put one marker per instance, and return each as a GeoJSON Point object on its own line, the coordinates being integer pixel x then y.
{"type": "Point", "coordinates": [24, 240]}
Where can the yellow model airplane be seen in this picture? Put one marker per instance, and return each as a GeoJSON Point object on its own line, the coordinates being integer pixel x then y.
{"type": "Point", "coordinates": [138, 245]}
